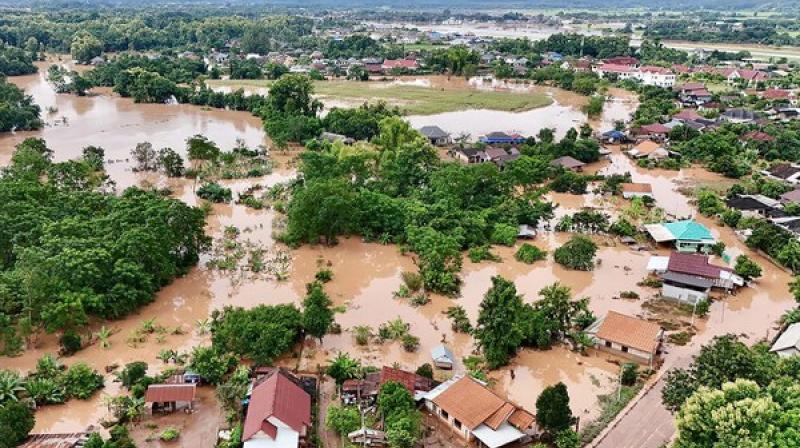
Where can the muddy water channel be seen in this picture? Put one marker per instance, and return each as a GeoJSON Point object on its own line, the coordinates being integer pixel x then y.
{"type": "Point", "coordinates": [366, 275]}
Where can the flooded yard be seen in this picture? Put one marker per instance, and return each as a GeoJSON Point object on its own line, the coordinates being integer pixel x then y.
{"type": "Point", "coordinates": [367, 274]}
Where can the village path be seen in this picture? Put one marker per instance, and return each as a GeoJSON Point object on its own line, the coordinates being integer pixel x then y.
{"type": "Point", "coordinates": [646, 423]}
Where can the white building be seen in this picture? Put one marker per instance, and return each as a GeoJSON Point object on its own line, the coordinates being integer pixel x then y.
{"type": "Point", "coordinates": [788, 344]}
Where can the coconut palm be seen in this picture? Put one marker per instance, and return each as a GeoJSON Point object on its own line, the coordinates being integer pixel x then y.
{"type": "Point", "coordinates": [343, 367]}
{"type": "Point", "coordinates": [11, 386]}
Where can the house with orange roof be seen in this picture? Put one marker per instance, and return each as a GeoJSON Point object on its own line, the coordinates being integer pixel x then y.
{"type": "Point", "coordinates": [476, 413]}
{"type": "Point", "coordinates": [650, 150]}
{"type": "Point", "coordinates": [628, 336]}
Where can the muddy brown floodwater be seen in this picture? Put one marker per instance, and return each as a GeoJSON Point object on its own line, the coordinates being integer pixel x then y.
{"type": "Point", "coordinates": [367, 274]}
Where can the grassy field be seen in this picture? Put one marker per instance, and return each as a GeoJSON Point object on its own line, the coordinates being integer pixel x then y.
{"type": "Point", "coordinates": [414, 100]}
{"type": "Point", "coordinates": [758, 51]}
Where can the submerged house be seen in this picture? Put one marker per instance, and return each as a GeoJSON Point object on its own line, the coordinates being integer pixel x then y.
{"type": "Point", "coordinates": [442, 357]}
{"type": "Point", "coordinates": [650, 150]}
{"type": "Point", "coordinates": [168, 397]}
{"type": "Point", "coordinates": [568, 163]}
{"type": "Point", "coordinates": [690, 277]}
{"type": "Point", "coordinates": [686, 235]}
{"type": "Point", "coordinates": [475, 413]}
{"type": "Point", "coordinates": [278, 414]}
{"type": "Point", "coordinates": [628, 336]}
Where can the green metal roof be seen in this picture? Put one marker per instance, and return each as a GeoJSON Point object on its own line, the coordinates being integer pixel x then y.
{"type": "Point", "coordinates": [688, 230]}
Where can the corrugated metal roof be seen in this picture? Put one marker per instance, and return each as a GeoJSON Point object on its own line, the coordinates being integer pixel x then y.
{"type": "Point", "coordinates": [66, 440]}
{"type": "Point", "coordinates": [790, 338]}
{"type": "Point", "coordinates": [686, 279]}
{"type": "Point", "coordinates": [166, 393]}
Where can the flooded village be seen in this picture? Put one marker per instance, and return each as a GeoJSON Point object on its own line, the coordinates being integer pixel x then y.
{"type": "Point", "coordinates": [652, 297]}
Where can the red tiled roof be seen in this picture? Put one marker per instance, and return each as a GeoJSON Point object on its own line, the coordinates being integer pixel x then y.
{"type": "Point", "coordinates": [407, 379]}
{"type": "Point", "coordinates": [694, 264]}
{"type": "Point", "coordinates": [687, 114]}
{"type": "Point", "coordinates": [655, 128]}
{"type": "Point", "coordinates": [776, 94]}
{"type": "Point", "coordinates": [622, 60]}
{"type": "Point", "coordinates": [279, 397]}
{"type": "Point", "coordinates": [166, 393]}
{"type": "Point", "coordinates": [758, 136]}
{"type": "Point", "coordinates": [614, 68]}
{"type": "Point", "coordinates": [655, 69]}
{"type": "Point", "coordinates": [400, 63]}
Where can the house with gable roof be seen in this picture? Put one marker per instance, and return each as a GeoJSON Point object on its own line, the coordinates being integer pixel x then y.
{"type": "Point", "coordinates": [686, 235]}
{"type": "Point", "coordinates": [474, 412]}
{"type": "Point", "coordinates": [278, 413]}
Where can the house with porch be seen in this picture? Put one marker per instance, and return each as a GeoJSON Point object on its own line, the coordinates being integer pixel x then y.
{"type": "Point", "coordinates": [686, 236]}
{"type": "Point", "coordinates": [170, 397]}
{"type": "Point", "coordinates": [628, 336]}
{"type": "Point", "coordinates": [475, 413]}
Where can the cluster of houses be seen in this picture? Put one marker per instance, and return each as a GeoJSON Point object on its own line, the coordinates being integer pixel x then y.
{"type": "Point", "coordinates": [626, 67]}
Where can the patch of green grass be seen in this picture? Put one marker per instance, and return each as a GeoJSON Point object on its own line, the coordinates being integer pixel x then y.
{"type": "Point", "coordinates": [611, 406]}
{"type": "Point", "coordinates": [414, 100]}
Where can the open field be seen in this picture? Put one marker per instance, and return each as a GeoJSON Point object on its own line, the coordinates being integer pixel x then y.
{"type": "Point", "coordinates": [759, 51]}
{"type": "Point", "coordinates": [415, 100]}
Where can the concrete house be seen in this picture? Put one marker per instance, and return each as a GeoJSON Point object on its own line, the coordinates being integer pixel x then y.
{"type": "Point", "coordinates": [755, 205]}
{"type": "Point", "coordinates": [475, 413]}
{"type": "Point", "coordinates": [469, 155]}
{"type": "Point", "coordinates": [628, 336]}
{"type": "Point", "coordinates": [650, 150]}
{"type": "Point", "coordinates": [788, 344]}
{"type": "Point", "coordinates": [278, 414]}
{"type": "Point", "coordinates": [690, 277]}
{"type": "Point", "coordinates": [687, 235]}
{"type": "Point", "coordinates": [501, 138]}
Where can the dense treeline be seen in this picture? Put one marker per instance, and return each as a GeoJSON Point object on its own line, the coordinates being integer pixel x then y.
{"type": "Point", "coordinates": [70, 250]}
{"type": "Point", "coordinates": [396, 189]}
{"type": "Point", "coordinates": [16, 61]}
{"type": "Point", "coordinates": [17, 110]}
{"type": "Point", "coordinates": [760, 31]}
{"type": "Point", "coordinates": [574, 45]}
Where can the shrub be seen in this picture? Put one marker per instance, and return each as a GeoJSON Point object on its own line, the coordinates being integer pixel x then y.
{"type": "Point", "coordinates": [80, 381]}
{"type": "Point", "coordinates": [622, 227]}
{"type": "Point", "coordinates": [629, 295]}
{"type": "Point", "coordinates": [578, 253]}
{"type": "Point", "coordinates": [718, 248]}
{"type": "Point", "coordinates": [420, 299]}
{"type": "Point", "coordinates": [412, 280]}
{"type": "Point", "coordinates": [169, 434]}
{"type": "Point", "coordinates": [410, 342]}
{"type": "Point", "coordinates": [215, 192]}
{"type": "Point", "coordinates": [324, 275]}
{"type": "Point", "coordinates": [480, 253]}
{"type": "Point", "coordinates": [630, 372]}
{"type": "Point", "coordinates": [504, 234]}
{"type": "Point", "coordinates": [70, 342]}
{"type": "Point", "coordinates": [425, 370]}
{"type": "Point", "coordinates": [528, 253]}
{"type": "Point", "coordinates": [362, 334]}
{"type": "Point", "coordinates": [343, 419]}
{"type": "Point", "coordinates": [460, 321]}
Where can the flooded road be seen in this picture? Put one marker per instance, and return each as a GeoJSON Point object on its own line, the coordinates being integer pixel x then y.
{"type": "Point", "coordinates": [367, 274]}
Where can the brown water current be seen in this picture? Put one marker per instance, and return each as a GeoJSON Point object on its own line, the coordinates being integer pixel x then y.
{"type": "Point", "coordinates": [367, 274]}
